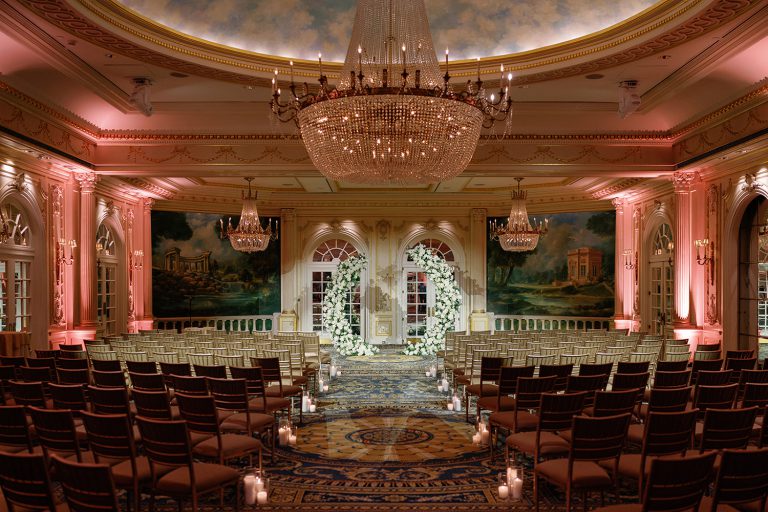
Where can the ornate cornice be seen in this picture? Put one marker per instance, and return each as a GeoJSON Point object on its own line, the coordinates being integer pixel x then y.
{"type": "Point", "coordinates": [149, 187]}
{"type": "Point", "coordinates": [87, 181]}
{"type": "Point", "coordinates": [614, 189]}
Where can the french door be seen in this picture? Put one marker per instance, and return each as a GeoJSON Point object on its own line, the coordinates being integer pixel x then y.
{"type": "Point", "coordinates": [106, 296]}
{"type": "Point", "coordinates": [419, 301]}
{"type": "Point", "coordinates": [662, 297]}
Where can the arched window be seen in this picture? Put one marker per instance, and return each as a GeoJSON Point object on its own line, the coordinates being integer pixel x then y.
{"type": "Point", "coordinates": [106, 279]}
{"type": "Point", "coordinates": [438, 247]}
{"type": "Point", "coordinates": [325, 259]}
{"type": "Point", "coordinates": [662, 280]}
{"type": "Point", "coordinates": [15, 270]}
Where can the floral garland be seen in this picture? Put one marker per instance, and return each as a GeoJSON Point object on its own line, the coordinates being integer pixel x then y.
{"type": "Point", "coordinates": [336, 323]}
{"type": "Point", "coordinates": [448, 301]}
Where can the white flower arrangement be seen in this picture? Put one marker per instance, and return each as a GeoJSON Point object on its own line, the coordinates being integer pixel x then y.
{"type": "Point", "coordinates": [335, 319]}
{"type": "Point", "coordinates": [448, 301]}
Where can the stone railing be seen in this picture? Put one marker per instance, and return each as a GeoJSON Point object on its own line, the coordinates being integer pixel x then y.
{"type": "Point", "coordinates": [548, 323]}
{"type": "Point", "coordinates": [248, 323]}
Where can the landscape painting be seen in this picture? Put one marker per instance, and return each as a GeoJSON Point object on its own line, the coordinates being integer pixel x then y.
{"type": "Point", "coordinates": [570, 273]}
{"type": "Point", "coordinates": [196, 274]}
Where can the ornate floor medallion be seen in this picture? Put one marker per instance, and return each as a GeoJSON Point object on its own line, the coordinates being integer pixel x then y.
{"type": "Point", "coordinates": [389, 436]}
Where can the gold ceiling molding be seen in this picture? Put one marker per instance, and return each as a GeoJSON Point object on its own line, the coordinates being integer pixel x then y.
{"type": "Point", "coordinates": [615, 189]}
{"type": "Point", "coordinates": [211, 154]}
{"type": "Point", "coordinates": [62, 14]}
{"type": "Point", "coordinates": [149, 187]}
{"type": "Point", "coordinates": [560, 154]}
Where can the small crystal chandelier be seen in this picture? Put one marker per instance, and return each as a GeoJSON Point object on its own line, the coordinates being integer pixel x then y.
{"type": "Point", "coordinates": [250, 235]}
{"type": "Point", "coordinates": [518, 235]}
{"type": "Point", "coordinates": [392, 119]}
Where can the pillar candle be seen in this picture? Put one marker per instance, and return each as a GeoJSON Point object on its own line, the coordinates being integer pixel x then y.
{"type": "Point", "coordinates": [503, 491]}
{"type": "Point", "coordinates": [261, 497]}
{"type": "Point", "coordinates": [517, 488]}
{"type": "Point", "coordinates": [249, 486]}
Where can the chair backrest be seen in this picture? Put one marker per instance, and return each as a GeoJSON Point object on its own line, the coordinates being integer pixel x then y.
{"type": "Point", "coordinates": [598, 438]}
{"type": "Point", "coordinates": [632, 366]}
{"type": "Point", "coordinates": [611, 403]}
{"type": "Point", "coordinates": [270, 370]}
{"type": "Point", "coordinates": [25, 481]}
{"type": "Point", "coordinates": [561, 371]}
{"type": "Point", "coordinates": [199, 412]}
{"type": "Point", "coordinates": [672, 366]}
{"type": "Point", "coordinates": [110, 436]}
{"type": "Point", "coordinates": [14, 361]}
{"type": "Point", "coordinates": [530, 389]}
{"type": "Point", "coordinates": [87, 487]}
{"type": "Point", "coordinates": [229, 394]}
{"type": "Point", "coordinates": [669, 399]}
{"type": "Point", "coordinates": [671, 379]}
{"type": "Point", "coordinates": [28, 393]}
{"type": "Point", "coordinates": [166, 443]}
{"type": "Point", "coordinates": [147, 381]}
{"type": "Point", "coordinates": [668, 433]}
{"type": "Point", "coordinates": [677, 484]}
{"type": "Point", "coordinates": [214, 371]}
{"type": "Point", "coordinates": [596, 369]}
{"type": "Point", "coordinates": [623, 381]}
{"type": "Point", "coordinates": [112, 400]}
{"type": "Point", "coordinates": [68, 396]}
{"type": "Point", "coordinates": [141, 366]}
{"type": "Point", "coordinates": [106, 365]}
{"type": "Point", "coordinates": [41, 362]}
{"type": "Point", "coordinates": [46, 353]}
{"type": "Point", "coordinates": [556, 411]}
{"type": "Point", "coordinates": [755, 394]}
{"type": "Point", "coordinates": [71, 364]}
{"type": "Point", "coordinates": [112, 379]}
{"type": "Point", "coordinates": [715, 397]}
{"type": "Point", "coordinates": [741, 479]}
{"type": "Point", "coordinates": [710, 365]}
{"type": "Point", "coordinates": [190, 385]}
{"type": "Point", "coordinates": [81, 376]}
{"type": "Point", "coordinates": [739, 354]}
{"type": "Point", "coordinates": [508, 378]}
{"type": "Point", "coordinates": [14, 430]}
{"type": "Point", "coordinates": [36, 374]}
{"type": "Point", "coordinates": [55, 430]}
{"type": "Point", "coordinates": [588, 383]}
{"type": "Point", "coordinates": [176, 369]}
{"type": "Point", "coordinates": [152, 403]}
{"type": "Point", "coordinates": [727, 428]}
{"type": "Point", "coordinates": [714, 378]}
{"type": "Point", "coordinates": [490, 369]}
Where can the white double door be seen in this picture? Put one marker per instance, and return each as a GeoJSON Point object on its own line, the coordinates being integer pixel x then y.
{"type": "Point", "coordinates": [418, 299]}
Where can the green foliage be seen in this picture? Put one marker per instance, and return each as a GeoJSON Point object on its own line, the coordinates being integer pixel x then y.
{"type": "Point", "coordinates": [602, 224]}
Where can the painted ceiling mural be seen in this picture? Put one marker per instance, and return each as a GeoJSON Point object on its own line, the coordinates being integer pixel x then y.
{"type": "Point", "coordinates": [300, 29]}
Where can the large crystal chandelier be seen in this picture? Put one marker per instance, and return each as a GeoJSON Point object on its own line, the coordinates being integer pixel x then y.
{"type": "Point", "coordinates": [392, 118]}
{"type": "Point", "coordinates": [518, 235]}
{"type": "Point", "coordinates": [250, 235]}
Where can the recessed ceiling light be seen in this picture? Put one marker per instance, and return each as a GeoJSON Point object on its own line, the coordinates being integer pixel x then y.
{"type": "Point", "coordinates": [594, 76]}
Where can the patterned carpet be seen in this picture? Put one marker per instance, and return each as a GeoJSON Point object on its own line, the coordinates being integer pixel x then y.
{"type": "Point", "coordinates": [383, 440]}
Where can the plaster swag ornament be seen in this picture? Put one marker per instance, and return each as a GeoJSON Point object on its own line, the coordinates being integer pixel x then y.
{"type": "Point", "coordinates": [447, 298]}
{"type": "Point", "coordinates": [347, 343]}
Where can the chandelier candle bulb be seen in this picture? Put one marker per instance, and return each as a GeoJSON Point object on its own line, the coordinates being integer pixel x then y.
{"type": "Point", "coordinates": [320, 61]}
{"type": "Point", "coordinates": [478, 70]}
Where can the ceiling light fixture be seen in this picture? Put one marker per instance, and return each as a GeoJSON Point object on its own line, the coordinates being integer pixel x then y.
{"type": "Point", "coordinates": [392, 117]}
{"type": "Point", "coordinates": [518, 235]}
{"type": "Point", "coordinates": [629, 100]}
{"type": "Point", "coordinates": [250, 235]}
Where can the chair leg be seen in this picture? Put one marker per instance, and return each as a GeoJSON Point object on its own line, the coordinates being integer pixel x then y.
{"type": "Point", "coordinates": [535, 488]}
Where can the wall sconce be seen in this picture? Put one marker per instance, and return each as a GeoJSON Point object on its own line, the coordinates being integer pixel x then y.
{"type": "Point", "coordinates": [63, 244]}
{"type": "Point", "coordinates": [703, 255]}
{"type": "Point", "coordinates": [629, 262]}
{"type": "Point", "coordinates": [670, 251]}
{"type": "Point", "coordinates": [138, 260]}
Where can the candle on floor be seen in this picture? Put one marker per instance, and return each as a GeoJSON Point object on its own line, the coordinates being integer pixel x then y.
{"type": "Point", "coordinates": [321, 385]}
{"type": "Point", "coordinates": [312, 407]}
{"type": "Point", "coordinates": [292, 439]}
{"type": "Point", "coordinates": [333, 370]}
{"type": "Point", "coordinates": [503, 492]}
{"type": "Point", "coordinates": [259, 484]}
{"type": "Point", "coordinates": [476, 438]}
{"type": "Point", "coordinates": [325, 388]}
{"type": "Point", "coordinates": [249, 486]}
{"type": "Point", "coordinates": [450, 406]}
{"type": "Point", "coordinates": [338, 372]}
{"type": "Point", "coordinates": [445, 384]}
{"type": "Point", "coordinates": [517, 488]}
{"type": "Point", "coordinates": [305, 402]}
{"type": "Point", "coordinates": [485, 436]}
{"type": "Point", "coordinates": [511, 474]}
{"type": "Point", "coordinates": [283, 434]}
{"type": "Point", "coordinates": [261, 497]}
{"type": "Point", "coordinates": [440, 387]}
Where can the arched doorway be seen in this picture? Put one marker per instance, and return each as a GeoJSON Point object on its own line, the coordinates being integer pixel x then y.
{"type": "Point", "coordinates": [753, 275]}
{"type": "Point", "coordinates": [662, 282]}
{"type": "Point", "coordinates": [417, 295]}
{"type": "Point", "coordinates": [325, 258]}
{"type": "Point", "coordinates": [16, 258]}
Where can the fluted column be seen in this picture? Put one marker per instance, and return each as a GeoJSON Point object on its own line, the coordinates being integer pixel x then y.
{"type": "Point", "coordinates": [620, 270]}
{"type": "Point", "coordinates": [683, 183]}
{"type": "Point", "coordinates": [146, 246]}
{"type": "Point", "coordinates": [288, 263]}
{"type": "Point", "coordinates": [87, 246]}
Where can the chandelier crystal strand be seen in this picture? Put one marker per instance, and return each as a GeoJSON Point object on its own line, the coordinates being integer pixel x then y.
{"type": "Point", "coordinates": [250, 235]}
{"type": "Point", "coordinates": [518, 235]}
{"type": "Point", "coordinates": [393, 119]}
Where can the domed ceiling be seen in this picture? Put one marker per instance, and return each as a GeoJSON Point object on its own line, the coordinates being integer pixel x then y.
{"type": "Point", "coordinates": [300, 29]}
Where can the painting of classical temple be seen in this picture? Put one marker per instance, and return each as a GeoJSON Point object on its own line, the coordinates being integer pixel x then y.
{"type": "Point", "coordinates": [570, 273]}
{"type": "Point", "coordinates": [195, 273]}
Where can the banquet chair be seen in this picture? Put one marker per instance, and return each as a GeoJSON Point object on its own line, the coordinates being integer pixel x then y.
{"type": "Point", "coordinates": [726, 428]}
{"type": "Point", "coordinates": [561, 371]}
{"type": "Point", "coordinates": [755, 394]}
{"type": "Point", "coordinates": [30, 394]}
{"type": "Point", "coordinates": [671, 366]}
{"type": "Point", "coordinates": [140, 366]}
{"type": "Point", "coordinates": [190, 385]}
{"type": "Point", "coordinates": [628, 367]}
{"type": "Point", "coordinates": [596, 443]}
{"type": "Point", "coordinates": [484, 384]}
{"type": "Point", "coordinates": [69, 396]}
{"type": "Point", "coordinates": [596, 369]}
{"type": "Point", "coordinates": [56, 432]}
{"type": "Point", "coordinates": [87, 487]}
{"type": "Point", "coordinates": [147, 381]}
{"type": "Point", "coordinates": [611, 403]}
{"type": "Point", "coordinates": [661, 400]}
{"type": "Point", "coordinates": [213, 371]}
{"type": "Point", "coordinates": [258, 401]}
{"type": "Point", "coordinates": [106, 365]}
{"type": "Point", "coordinates": [26, 483]}
{"type": "Point", "coordinates": [589, 384]}
{"type": "Point", "coordinates": [173, 468]}
{"type": "Point", "coordinates": [741, 483]}
{"type": "Point", "coordinates": [15, 436]}
{"type": "Point", "coordinates": [503, 399]}
{"type": "Point", "coordinates": [112, 400]}
{"type": "Point", "coordinates": [154, 404]}
{"type": "Point", "coordinates": [111, 379]}
{"type": "Point", "coordinates": [273, 378]}
{"type": "Point", "coordinates": [674, 485]}
{"type": "Point", "coordinates": [714, 397]}
{"type": "Point", "coordinates": [527, 398]}
{"type": "Point", "coordinates": [71, 364]}
{"type": "Point", "coordinates": [80, 376]}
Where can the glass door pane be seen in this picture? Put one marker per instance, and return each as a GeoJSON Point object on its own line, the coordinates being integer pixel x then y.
{"type": "Point", "coordinates": [416, 303]}
{"type": "Point", "coordinates": [110, 299]}
{"type": "Point", "coordinates": [3, 296]}
{"type": "Point", "coordinates": [22, 295]}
